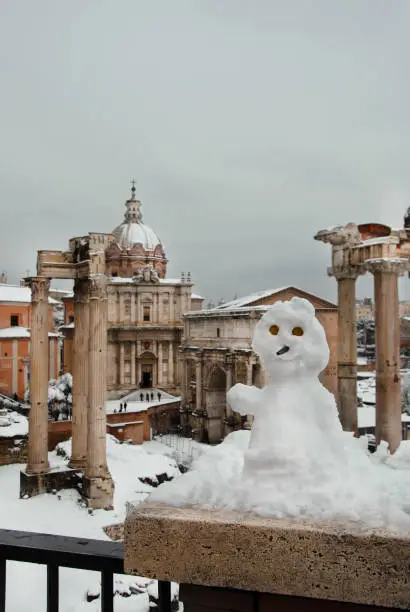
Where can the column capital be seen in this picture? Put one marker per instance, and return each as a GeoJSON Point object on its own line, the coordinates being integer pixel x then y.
{"type": "Point", "coordinates": [393, 265]}
{"type": "Point", "coordinates": [98, 287]}
{"type": "Point", "coordinates": [39, 288]}
{"type": "Point", "coordinates": [347, 273]}
{"type": "Point", "coordinates": [81, 290]}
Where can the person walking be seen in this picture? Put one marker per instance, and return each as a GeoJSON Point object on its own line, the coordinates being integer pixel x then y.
{"type": "Point", "coordinates": [125, 406]}
{"type": "Point", "coordinates": [159, 396]}
{"type": "Point", "coordinates": [141, 397]}
{"type": "Point", "coordinates": [120, 406]}
{"type": "Point", "coordinates": [147, 397]}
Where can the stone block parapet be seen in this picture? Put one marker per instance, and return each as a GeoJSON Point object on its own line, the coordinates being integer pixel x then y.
{"type": "Point", "coordinates": [341, 562]}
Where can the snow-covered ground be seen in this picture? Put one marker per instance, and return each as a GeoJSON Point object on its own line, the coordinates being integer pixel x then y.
{"type": "Point", "coordinates": [135, 404]}
{"type": "Point", "coordinates": [13, 424]}
{"type": "Point", "coordinates": [63, 514]}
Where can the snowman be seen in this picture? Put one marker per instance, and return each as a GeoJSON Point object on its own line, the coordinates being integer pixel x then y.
{"type": "Point", "coordinates": [296, 429]}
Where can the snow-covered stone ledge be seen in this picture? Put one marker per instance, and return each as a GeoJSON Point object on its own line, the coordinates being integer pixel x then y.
{"type": "Point", "coordinates": [214, 548]}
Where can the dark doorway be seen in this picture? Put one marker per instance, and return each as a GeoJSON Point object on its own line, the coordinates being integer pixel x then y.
{"type": "Point", "coordinates": [147, 380]}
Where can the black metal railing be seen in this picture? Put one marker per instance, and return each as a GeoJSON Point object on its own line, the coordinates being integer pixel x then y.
{"type": "Point", "coordinates": [57, 551]}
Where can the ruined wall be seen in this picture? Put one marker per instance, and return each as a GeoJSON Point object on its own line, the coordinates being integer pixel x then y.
{"type": "Point", "coordinates": [13, 450]}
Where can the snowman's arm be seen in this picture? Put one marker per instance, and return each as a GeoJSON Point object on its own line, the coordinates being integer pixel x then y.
{"type": "Point", "coordinates": [244, 399]}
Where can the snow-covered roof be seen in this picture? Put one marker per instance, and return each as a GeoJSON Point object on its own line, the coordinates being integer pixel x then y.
{"type": "Point", "coordinates": [15, 293]}
{"type": "Point", "coordinates": [195, 296]}
{"type": "Point", "coordinates": [61, 291]}
{"type": "Point", "coordinates": [19, 332]}
{"type": "Point", "coordinates": [247, 300]}
{"type": "Point", "coordinates": [378, 240]}
{"type": "Point", "coordinates": [245, 305]}
{"type": "Point", "coordinates": [119, 425]}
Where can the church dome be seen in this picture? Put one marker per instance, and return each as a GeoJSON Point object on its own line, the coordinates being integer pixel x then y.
{"type": "Point", "coordinates": [132, 230]}
{"type": "Point", "coordinates": [130, 233]}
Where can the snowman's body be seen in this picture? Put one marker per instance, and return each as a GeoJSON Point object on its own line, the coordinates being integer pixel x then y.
{"type": "Point", "coordinates": [295, 417]}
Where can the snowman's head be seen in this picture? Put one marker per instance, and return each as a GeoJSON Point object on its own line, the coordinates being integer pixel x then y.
{"type": "Point", "coordinates": [289, 338]}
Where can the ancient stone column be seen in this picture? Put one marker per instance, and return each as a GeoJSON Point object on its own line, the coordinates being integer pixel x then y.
{"type": "Point", "coordinates": [198, 380]}
{"type": "Point", "coordinates": [347, 349]}
{"type": "Point", "coordinates": [249, 370]}
{"type": "Point", "coordinates": [229, 365]}
{"type": "Point", "coordinates": [171, 364]}
{"type": "Point", "coordinates": [122, 363]}
{"type": "Point", "coordinates": [98, 484]}
{"type": "Point", "coordinates": [80, 374]}
{"type": "Point", "coordinates": [388, 390]}
{"type": "Point", "coordinates": [159, 363]}
{"type": "Point", "coordinates": [133, 364]}
{"type": "Point", "coordinates": [37, 461]}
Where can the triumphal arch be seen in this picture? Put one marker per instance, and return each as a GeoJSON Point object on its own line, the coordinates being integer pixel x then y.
{"type": "Point", "coordinates": [384, 252]}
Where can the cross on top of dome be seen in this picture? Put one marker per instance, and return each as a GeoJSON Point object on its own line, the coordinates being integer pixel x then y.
{"type": "Point", "coordinates": [133, 189]}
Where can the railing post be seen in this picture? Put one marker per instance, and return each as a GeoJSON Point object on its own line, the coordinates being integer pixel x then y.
{"type": "Point", "coordinates": [52, 588]}
{"type": "Point", "coordinates": [164, 596]}
{"type": "Point", "coordinates": [3, 584]}
{"type": "Point", "coordinates": [107, 595]}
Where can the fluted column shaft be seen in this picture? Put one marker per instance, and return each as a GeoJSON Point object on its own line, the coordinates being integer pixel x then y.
{"type": "Point", "coordinates": [97, 378]}
{"type": "Point", "coordinates": [37, 461]}
{"type": "Point", "coordinates": [160, 380]}
{"type": "Point", "coordinates": [133, 364]}
{"type": "Point", "coordinates": [171, 364]}
{"type": "Point", "coordinates": [80, 374]}
{"type": "Point", "coordinates": [198, 379]}
{"type": "Point", "coordinates": [347, 351]}
{"type": "Point", "coordinates": [249, 371]}
{"type": "Point", "coordinates": [228, 409]}
{"type": "Point", "coordinates": [388, 389]}
{"type": "Point", "coordinates": [122, 363]}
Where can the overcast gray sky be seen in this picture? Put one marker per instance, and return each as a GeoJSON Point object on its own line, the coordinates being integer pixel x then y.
{"type": "Point", "coordinates": [249, 125]}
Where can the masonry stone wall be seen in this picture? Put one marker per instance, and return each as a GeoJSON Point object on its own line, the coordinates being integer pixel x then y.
{"type": "Point", "coordinates": [13, 450]}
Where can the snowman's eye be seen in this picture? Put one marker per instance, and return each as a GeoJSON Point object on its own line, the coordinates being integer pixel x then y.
{"type": "Point", "coordinates": [297, 331]}
{"type": "Point", "coordinates": [274, 330]}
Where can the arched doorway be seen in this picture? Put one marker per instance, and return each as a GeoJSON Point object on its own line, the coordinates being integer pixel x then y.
{"type": "Point", "coordinates": [215, 404]}
{"type": "Point", "coordinates": [147, 370]}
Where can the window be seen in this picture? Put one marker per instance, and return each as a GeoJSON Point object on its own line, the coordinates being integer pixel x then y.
{"type": "Point", "coordinates": [218, 332]}
{"type": "Point", "coordinates": [14, 320]}
{"type": "Point", "coordinates": [71, 318]}
{"type": "Point", "coordinates": [147, 313]}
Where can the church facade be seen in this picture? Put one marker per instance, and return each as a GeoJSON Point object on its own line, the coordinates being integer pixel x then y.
{"type": "Point", "coordinates": [145, 310]}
